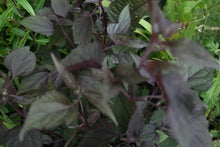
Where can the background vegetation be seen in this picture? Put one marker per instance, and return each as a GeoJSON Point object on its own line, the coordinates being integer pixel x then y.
{"type": "Point", "coordinates": [71, 72]}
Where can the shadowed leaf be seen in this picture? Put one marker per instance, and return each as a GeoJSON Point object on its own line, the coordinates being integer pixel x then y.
{"type": "Point", "coordinates": [33, 82]}
{"type": "Point", "coordinates": [20, 62]}
{"type": "Point", "coordinates": [31, 139]}
{"type": "Point", "coordinates": [99, 136]}
{"type": "Point", "coordinates": [61, 7]}
{"type": "Point", "coordinates": [51, 110]}
{"type": "Point", "coordinates": [123, 111]}
{"type": "Point", "coordinates": [128, 74]}
{"type": "Point", "coordinates": [82, 29]}
{"type": "Point", "coordinates": [3, 133]}
{"type": "Point", "coordinates": [39, 24]}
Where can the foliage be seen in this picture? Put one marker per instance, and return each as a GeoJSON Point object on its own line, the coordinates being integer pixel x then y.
{"type": "Point", "coordinates": [87, 74]}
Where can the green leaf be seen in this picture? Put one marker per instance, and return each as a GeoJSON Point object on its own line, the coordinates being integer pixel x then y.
{"type": "Point", "coordinates": [149, 133]}
{"type": "Point", "coordinates": [200, 78]}
{"type": "Point", "coordinates": [122, 108]}
{"type": "Point", "coordinates": [31, 139]}
{"type": "Point", "coordinates": [82, 29]}
{"type": "Point", "coordinates": [211, 97]}
{"type": "Point", "coordinates": [185, 113]}
{"type": "Point", "coordinates": [4, 17]}
{"type": "Point", "coordinates": [39, 24]}
{"type": "Point", "coordinates": [61, 7]}
{"type": "Point", "coordinates": [169, 142]}
{"type": "Point", "coordinates": [51, 110]}
{"type": "Point", "coordinates": [190, 31]}
{"type": "Point", "coordinates": [193, 54]}
{"type": "Point", "coordinates": [67, 77]}
{"type": "Point", "coordinates": [123, 24]}
{"type": "Point", "coordinates": [20, 62]}
{"type": "Point", "coordinates": [158, 117]}
{"type": "Point", "coordinates": [146, 25]}
{"type": "Point", "coordinates": [26, 5]}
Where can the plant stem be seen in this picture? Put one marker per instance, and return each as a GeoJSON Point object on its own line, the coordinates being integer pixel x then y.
{"type": "Point", "coordinates": [18, 111]}
{"type": "Point", "coordinates": [133, 99]}
{"type": "Point", "coordinates": [125, 93]}
{"type": "Point", "coordinates": [203, 28]}
{"type": "Point", "coordinates": [74, 134]}
{"type": "Point", "coordinates": [105, 20]}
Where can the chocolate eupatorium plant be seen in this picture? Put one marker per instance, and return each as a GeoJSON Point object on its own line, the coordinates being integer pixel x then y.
{"type": "Point", "coordinates": [106, 90]}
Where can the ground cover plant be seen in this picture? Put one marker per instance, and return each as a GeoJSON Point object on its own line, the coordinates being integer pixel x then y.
{"type": "Point", "coordinates": [107, 73]}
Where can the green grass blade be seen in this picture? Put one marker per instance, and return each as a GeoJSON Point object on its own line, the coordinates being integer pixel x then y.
{"type": "Point", "coordinates": [190, 30]}
{"type": "Point", "coordinates": [4, 17]}
{"type": "Point", "coordinates": [25, 4]}
{"type": "Point", "coordinates": [146, 25]}
{"type": "Point", "coordinates": [171, 7]}
{"type": "Point", "coordinates": [39, 4]}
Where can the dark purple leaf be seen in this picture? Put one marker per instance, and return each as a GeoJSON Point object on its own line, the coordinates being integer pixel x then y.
{"type": "Point", "coordinates": [127, 41]}
{"type": "Point", "coordinates": [191, 53]}
{"type": "Point", "coordinates": [136, 124]}
{"type": "Point", "coordinates": [185, 113]}
{"type": "Point", "coordinates": [123, 25]}
{"type": "Point", "coordinates": [99, 93]}
{"type": "Point", "coordinates": [39, 24]}
{"type": "Point", "coordinates": [123, 110]}
{"type": "Point", "coordinates": [31, 139]}
{"type": "Point", "coordinates": [20, 62]}
{"type": "Point", "coordinates": [93, 116]}
{"type": "Point", "coordinates": [128, 74]}
{"type": "Point", "coordinates": [48, 12]}
{"type": "Point", "coordinates": [67, 76]}
{"type": "Point", "coordinates": [82, 29]}
{"type": "Point", "coordinates": [100, 136]}
{"type": "Point", "coordinates": [27, 97]}
{"type": "Point", "coordinates": [34, 81]}
{"type": "Point", "coordinates": [61, 7]}
{"type": "Point", "coordinates": [160, 24]}
{"type": "Point", "coordinates": [88, 52]}
{"type": "Point", "coordinates": [51, 110]}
